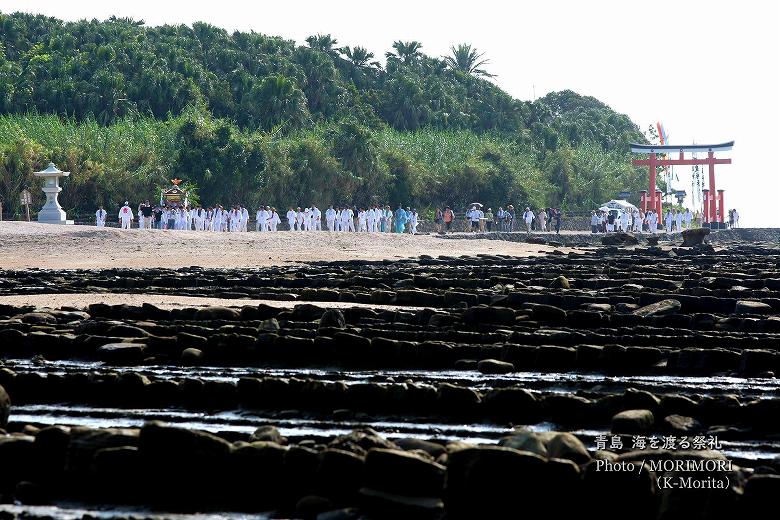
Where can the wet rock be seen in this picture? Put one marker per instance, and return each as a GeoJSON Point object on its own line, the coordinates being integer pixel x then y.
{"type": "Point", "coordinates": [482, 482]}
{"type": "Point", "coordinates": [624, 491]}
{"type": "Point", "coordinates": [257, 468]}
{"type": "Point", "coordinates": [118, 473]}
{"type": "Point", "coordinates": [340, 474]}
{"type": "Point", "coordinates": [512, 403]}
{"type": "Point", "coordinates": [311, 507]}
{"type": "Point", "coordinates": [524, 440]}
{"type": "Point", "coordinates": [384, 504]}
{"type": "Point", "coordinates": [694, 237]}
{"type": "Point", "coordinates": [619, 239]}
{"type": "Point", "coordinates": [494, 366]}
{"type": "Point", "coordinates": [752, 307]}
{"type": "Point", "coordinates": [268, 433]}
{"type": "Point", "coordinates": [5, 407]}
{"type": "Point", "coordinates": [124, 330]}
{"type": "Point", "coordinates": [682, 424]}
{"type": "Point", "coordinates": [564, 445]}
{"type": "Point", "coordinates": [754, 361]}
{"type": "Point", "coordinates": [633, 421]}
{"type": "Point", "coordinates": [85, 442]}
{"type": "Point", "coordinates": [381, 297]}
{"type": "Point", "coordinates": [544, 312]}
{"type": "Point", "coordinates": [664, 307]}
{"type": "Point", "coordinates": [192, 356]}
{"type": "Point", "coordinates": [51, 446]}
{"type": "Point", "coordinates": [333, 318]}
{"type": "Point", "coordinates": [122, 353]}
{"type": "Point", "coordinates": [567, 408]}
{"type": "Point", "coordinates": [484, 314]}
{"type": "Point", "coordinates": [760, 496]}
{"type": "Point", "coordinates": [466, 364]}
{"type": "Point", "coordinates": [457, 399]}
{"type": "Point", "coordinates": [549, 357]}
{"type": "Point", "coordinates": [403, 473]}
{"type": "Point", "coordinates": [418, 298]}
{"type": "Point", "coordinates": [561, 282]}
{"type": "Point", "coordinates": [269, 325]}
{"type": "Point", "coordinates": [412, 444]}
{"type": "Point", "coordinates": [598, 307]}
{"type": "Point", "coordinates": [38, 318]}
{"type": "Point", "coordinates": [31, 493]}
{"type": "Point", "coordinates": [217, 313]}
{"type": "Point", "coordinates": [183, 464]}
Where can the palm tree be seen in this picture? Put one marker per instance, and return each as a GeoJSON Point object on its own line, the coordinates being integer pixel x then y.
{"type": "Point", "coordinates": [466, 58]}
{"type": "Point", "coordinates": [323, 42]}
{"type": "Point", "coordinates": [407, 52]}
{"type": "Point", "coordinates": [358, 56]}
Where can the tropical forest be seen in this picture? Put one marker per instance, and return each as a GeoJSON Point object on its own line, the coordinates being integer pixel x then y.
{"type": "Point", "coordinates": [247, 118]}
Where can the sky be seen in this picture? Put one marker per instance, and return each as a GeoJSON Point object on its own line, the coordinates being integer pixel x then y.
{"type": "Point", "coordinates": [709, 71]}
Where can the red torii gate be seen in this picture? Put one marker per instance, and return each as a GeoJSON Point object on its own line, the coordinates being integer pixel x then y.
{"type": "Point", "coordinates": [713, 200]}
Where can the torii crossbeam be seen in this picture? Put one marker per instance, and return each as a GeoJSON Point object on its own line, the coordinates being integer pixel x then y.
{"type": "Point", "coordinates": [713, 200]}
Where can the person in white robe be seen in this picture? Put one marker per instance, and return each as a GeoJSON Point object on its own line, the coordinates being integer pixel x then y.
{"type": "Point", "coordinates": [308, 224]}
{"type": "Point", "coordinates": [316, 215]}
{"type": "Point", "coordinates": [413, 221]}
{"type": "Point", "coordinates": [669, 218]}
{"type": "Point", "coordinates": [299, 218]}
{"type": "Point", "coordinates": [274, 220]}
{"type": "Point", "coordinates": [678, 219]}
{"type": "Point", "coordinates": [126, 215]}
{"type": "Point", "coordinates": [291, 219]}
{"type": "Point", "coordinates": [330, 218]}
{"type": "Point", "coordinates": [362, 226]}
{"type": "Point", "coordinates": [244, 219]}
{"type": "Point", "coordinates": [346, 220]}
{"type": "Point", "coordinates": [100, 217]}
{"type": "Point", "coordinates": [528, 217]}
{"type": "Point", "coordinates": [260, 219]}
{"type": "Point", "coordinates": [370, 221]}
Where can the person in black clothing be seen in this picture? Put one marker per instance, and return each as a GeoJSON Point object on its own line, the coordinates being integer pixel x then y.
{"type": "Point", "coordinates": [157, 217]}
{"type": "Point", "coordinates": [146, 211]}
{"type": "Point", "coordinates": [557, 218]}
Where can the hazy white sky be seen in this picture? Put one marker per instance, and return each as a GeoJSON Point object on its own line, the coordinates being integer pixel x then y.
{"type": "Point", "coordinates": [708, 70]}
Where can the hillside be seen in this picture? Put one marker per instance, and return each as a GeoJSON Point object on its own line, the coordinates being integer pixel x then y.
{"type": "Point", "coordinates": [248, 118]}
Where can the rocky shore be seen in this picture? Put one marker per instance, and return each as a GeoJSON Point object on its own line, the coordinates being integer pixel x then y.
{"type": "Point", "coordinates": [554, 351]}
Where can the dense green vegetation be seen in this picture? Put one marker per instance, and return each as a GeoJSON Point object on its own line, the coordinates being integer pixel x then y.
{"type": "Point", "coordinates": [250, 118]}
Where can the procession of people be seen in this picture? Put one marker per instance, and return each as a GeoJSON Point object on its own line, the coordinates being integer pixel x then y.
{"type": "Point", "coordinates": [382, 219]}
{"type": "Point", "coordinates": [638, 221]}
{"type": "Point", "coordinates": [376, 219]}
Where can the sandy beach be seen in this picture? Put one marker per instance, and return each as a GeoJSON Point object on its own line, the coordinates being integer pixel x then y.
{"type": "Point", "coordinates": [29, 244]}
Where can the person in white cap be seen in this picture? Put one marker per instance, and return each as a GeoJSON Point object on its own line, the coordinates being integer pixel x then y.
{"type": "Point", "coordinates": [274, 219]}
{"type": "Point", "coordinates": [126, 215]}
{"type": "Point", "coordinates": [100, 217]}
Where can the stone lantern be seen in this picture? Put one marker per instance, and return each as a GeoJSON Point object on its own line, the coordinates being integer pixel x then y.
{"type": "Point", "coordinates": [52, 212]}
